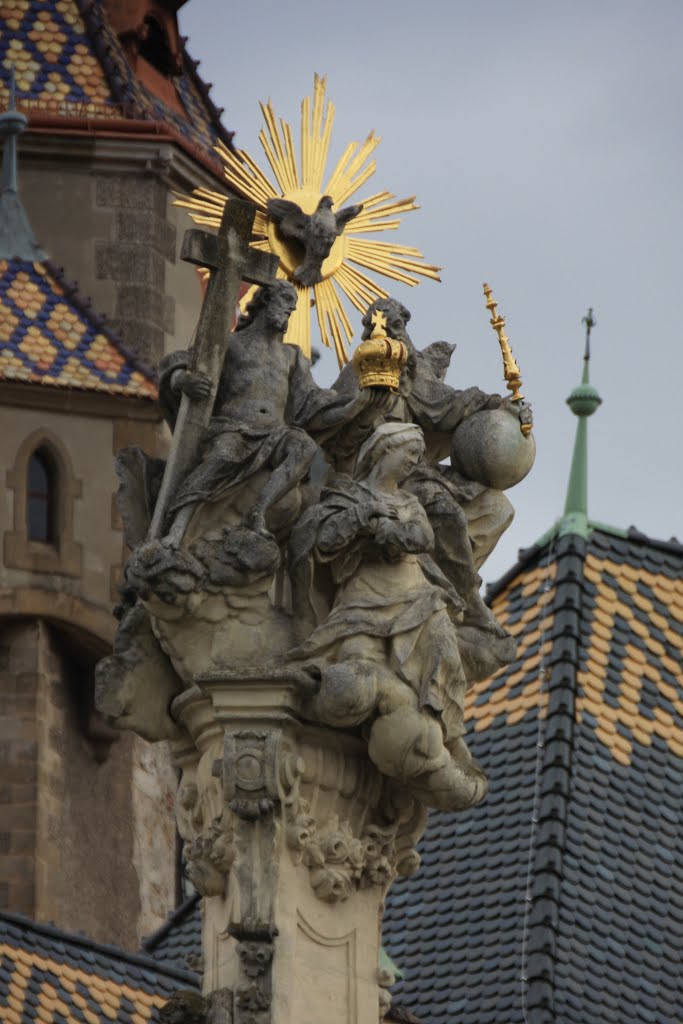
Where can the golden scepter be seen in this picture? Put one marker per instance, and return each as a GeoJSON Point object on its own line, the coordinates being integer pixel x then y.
{"type": "Point", "coordinates": [510, 366]}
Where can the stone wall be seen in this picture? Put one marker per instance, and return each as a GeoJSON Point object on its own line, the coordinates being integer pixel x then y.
{"type": "Point", "coordinates": [19, 685]}
{"type": "Point", "coordinates": [87, 833]}
{"type": "Point", "coordinates": [87, 837]}
{"type": "Point", "coordinates": [153, 787]}
{"type": "Point", "coordinates": [84, 814]}
{"type": "Point", "coordinates": [86, 471]}
{"type": "Point", "coordinates": [134, 259]}
{"type": "Point", "coordinates": [123, 235]}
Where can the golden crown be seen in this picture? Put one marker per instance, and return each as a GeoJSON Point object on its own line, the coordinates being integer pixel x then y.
{"type": "Point", "coordinates": [379, 360]}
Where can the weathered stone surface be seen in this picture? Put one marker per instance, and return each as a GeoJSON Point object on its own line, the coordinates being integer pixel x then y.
{"type": "Point", "coordinates": [145, 227]}
{"type": "Point", "coordinates": [293, 837]}
{"type": "Point", "coordinates": [170, 241]}
{"type": "Point", "coordinates": [168, 314]}
{"type": "Point", "coordinates": [154, 785]}
{"type": "Point", "coordinates": [138, 302]}
{"type": "Point", "coordinates": [306, 643]}
{"type": "Point", "coordinates": [124, 261]}
{"type": "Point", "coordinates": [107, 190]}
{"type": "Point", "coordinates": [490, 448]}
{"type": "Point", "coordinates": [387, 654]}
{"type": "Point", "coordinates": [143, 337]}
{"type": "Point", "coordinates": [73, 826]}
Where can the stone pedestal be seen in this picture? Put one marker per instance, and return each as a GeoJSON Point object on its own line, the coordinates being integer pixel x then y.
{"type": "Point", "coordinates": [293, 838]}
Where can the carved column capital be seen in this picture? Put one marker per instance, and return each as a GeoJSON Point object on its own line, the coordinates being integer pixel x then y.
{"type": "Point", "coordinates": [293, 837]}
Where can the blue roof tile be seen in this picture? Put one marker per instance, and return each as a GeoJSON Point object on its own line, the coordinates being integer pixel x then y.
{"type": "Point", "coordinates": [620, 891]}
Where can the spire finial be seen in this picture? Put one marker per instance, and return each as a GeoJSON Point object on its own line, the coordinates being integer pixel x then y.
{"type": "Point", "coordinates": [590, 322]}
{"type": "Point", "coordinates": [583, 401]}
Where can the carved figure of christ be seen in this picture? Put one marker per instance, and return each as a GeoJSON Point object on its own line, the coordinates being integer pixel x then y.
{"type": "Point", "coordinates": [230, 260]}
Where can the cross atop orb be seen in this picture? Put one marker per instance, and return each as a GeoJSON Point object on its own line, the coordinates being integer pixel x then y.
{"type": "Point", "coordinates": [379, 325]}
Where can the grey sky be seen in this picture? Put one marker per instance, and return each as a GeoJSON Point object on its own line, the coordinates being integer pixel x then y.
{"type": "Point", "coordinates": [544, 143]}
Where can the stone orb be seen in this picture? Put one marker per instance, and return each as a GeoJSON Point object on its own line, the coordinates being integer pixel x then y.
{"type": "Point", "coordinates": [490, 448]}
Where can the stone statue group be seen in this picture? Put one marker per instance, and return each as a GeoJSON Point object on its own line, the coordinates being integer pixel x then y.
{"type": "Point", "coordinates": [325, 535]}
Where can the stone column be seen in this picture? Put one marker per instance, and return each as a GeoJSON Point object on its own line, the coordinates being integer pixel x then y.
{"type": "Point", "coordinates": [293, 838]}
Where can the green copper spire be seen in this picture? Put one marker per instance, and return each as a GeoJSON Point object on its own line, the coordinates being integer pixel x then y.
{"type": "Point", "coordinates": [583, 402]}
{"type": "Point", "coordinates": [16, 237]}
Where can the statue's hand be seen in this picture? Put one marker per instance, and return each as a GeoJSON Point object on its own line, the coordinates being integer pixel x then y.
{"type": "Point", "coordinates": [526, 414]}
{"type": "Point", "coordinates": [380, 400]}
{"type": "Point", "coordinates": [495, 402]}
{"type": "Point", "coordinates": [521, 410]}
{"type": "Point", "coordinates": [378, 513]}
{"type": "Point", "coordinates": [195, 385]}
{"type": "Point", "coordinates": [387, 529]}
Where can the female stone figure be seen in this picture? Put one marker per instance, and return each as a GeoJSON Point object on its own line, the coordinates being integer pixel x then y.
{"type": "Point", "coordinates": [386, 653]}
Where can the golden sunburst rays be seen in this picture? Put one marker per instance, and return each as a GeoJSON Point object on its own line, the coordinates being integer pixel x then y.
{"type": "Point", "coordinates": [345, 271]}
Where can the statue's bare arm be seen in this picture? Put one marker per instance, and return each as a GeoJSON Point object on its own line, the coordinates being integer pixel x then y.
{"type": "Point", "coordinates": [331, 408]}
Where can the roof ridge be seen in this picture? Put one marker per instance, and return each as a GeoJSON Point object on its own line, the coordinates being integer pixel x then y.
{"type": "Point", "coordinates": [126, 88]}
{"type": "Point", "coordinates": [525, 556]}
{"type": "Point", "coordinates": [216, 113]}
{"type": "Point", "coordinates": [122, 91]}
{"type": "Point", "coordinates": [83, 941]}
{"type": "Point", "coordinates": [673, 544]}
{"type": "Point", "coordinates": [152, 940]}
{"type": "Point", "coordinates": [103, 90]}
{"type": "Point", "coordinates": [553, 784]}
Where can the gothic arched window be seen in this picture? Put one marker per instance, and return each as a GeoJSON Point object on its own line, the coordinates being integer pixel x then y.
{"type": "Point", "coordinates": [41, 498]}
{"type": "Point", "coordinates": [44, 487]}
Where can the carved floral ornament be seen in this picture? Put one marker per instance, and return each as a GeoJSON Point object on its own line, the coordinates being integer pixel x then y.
{"type": "Point", "coordinates": [257, 780]}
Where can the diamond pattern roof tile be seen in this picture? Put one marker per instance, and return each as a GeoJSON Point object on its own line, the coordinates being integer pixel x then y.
{"type": "Point", "coordinates": [49, 337]}
{"type": "Point", "coordinates": [179, 938]}
{"type": "Point", "coordinates": [69, 62]}
{"type": "Point", "coordinates": [592, 825]}
{"type": "Point", "coordinates": [49, 976]}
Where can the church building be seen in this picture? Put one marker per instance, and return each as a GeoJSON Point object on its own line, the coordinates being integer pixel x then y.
{"type": "Point", "coordinates": [105, 120]}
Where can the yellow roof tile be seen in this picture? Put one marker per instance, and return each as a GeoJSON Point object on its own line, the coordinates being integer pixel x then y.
{"type": "Point", "coordinates": [57, 349]}
{"type": "Point", "coordinates": [642, 732]}
{"type": "Point", "coordinates": [676, 745]}
{"type": "Point", "coordinates": [622, 756]}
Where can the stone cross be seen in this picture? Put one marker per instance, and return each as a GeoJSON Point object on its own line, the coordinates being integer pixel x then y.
{"type": "Point", "coordinates": [231, 260]}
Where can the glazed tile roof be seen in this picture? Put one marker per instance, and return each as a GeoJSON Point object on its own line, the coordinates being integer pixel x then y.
{"type": "Point", "coordinates": [48, 976]}
{"type": "Point", "coordinates": [70, 62]}
{"type": "Point", "coordinates": [570, 874]}
{"type": "Point", "coordinates": [48, 336]}
{"type": "Point", "coordinates": [179, 938]}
